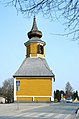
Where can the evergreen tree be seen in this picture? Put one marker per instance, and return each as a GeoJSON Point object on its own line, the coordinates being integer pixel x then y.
{"type": "Point", "coordinates": [75, 95]}
{"type": "Point", "coordinates": [57, 95]}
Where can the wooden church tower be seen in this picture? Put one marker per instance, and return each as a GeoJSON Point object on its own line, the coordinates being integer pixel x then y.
{"type": "Point", "coordinates": [33, 80]}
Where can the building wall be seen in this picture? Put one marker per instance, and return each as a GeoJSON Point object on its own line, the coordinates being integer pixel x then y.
{"type": "Point", "coordinates": [32, 50]}
{"type": "Point", "coordinates": [34, 89]}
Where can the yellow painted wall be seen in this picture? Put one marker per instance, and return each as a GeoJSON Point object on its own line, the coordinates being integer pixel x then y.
{"type": "Point", "coordinates": [28, 50]}
{"type": "Point", "coordinates": [35, 87]}
{"type": "Point", "coordinates": [33, 50]}
{"type": "Point", "coordinates": [36, 99]}
{"type": "Point", "coordinates": [25, 98]}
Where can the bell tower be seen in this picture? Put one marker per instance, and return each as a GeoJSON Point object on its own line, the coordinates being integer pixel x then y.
{"type": "Point", "coordinates": [35, 46]}
{"type": "Point", "coordinates": [33, 80]}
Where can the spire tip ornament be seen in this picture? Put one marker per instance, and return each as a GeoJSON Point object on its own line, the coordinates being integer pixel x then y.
{"type": "Point", "coordinates": [34, 31]}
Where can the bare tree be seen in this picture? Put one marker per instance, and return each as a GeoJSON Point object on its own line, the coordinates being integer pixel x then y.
{"type": "Point", "coordinates": [69, 9]}
{"type": "Point", "coordinates": [8, 89]}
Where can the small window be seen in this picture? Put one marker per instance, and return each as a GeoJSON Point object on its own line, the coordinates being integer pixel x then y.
{"type": "Point", "coordinates": [40, 49]}
{"type": "Point", "coordinates": [17, 88]}
{"type": "Point", "coordinates": [17, 83]}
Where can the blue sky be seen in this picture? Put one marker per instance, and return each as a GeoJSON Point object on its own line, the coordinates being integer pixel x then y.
{"type": "Point", "coordinates": [62, 54]}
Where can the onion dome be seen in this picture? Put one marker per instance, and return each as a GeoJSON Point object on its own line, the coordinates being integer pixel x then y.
{"type": "Point", "coordinates": [34, 31]}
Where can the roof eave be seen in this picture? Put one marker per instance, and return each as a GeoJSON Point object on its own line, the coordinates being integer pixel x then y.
{"type": "Point", "coordinates": [34, 41]}
{"type": "Point", "coordinates": [33, 76]}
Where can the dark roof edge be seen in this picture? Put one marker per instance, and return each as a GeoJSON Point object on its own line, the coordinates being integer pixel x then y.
{"type": "Point", "coordinates": [33, 76]}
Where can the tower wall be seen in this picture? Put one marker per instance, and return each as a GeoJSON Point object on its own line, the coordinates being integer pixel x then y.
{"type": "Point", "coordinates": [33, 50]}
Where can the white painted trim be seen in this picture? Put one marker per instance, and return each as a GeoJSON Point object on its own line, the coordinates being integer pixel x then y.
{"type": "Point", "coordinates": [41, 55]}
{"type": "Point", "coordinates": [30, 55]}
{"type": "Point", "coordinates": [32, 96]}
{"type": "Point", "coordinates": [14, 89]}
{"type": "Point", "coordinates": [40, 44]}
{"type": "Point", "coordinates": [33, 56]}
{"type": "Point", "coordinates": [38, 55]}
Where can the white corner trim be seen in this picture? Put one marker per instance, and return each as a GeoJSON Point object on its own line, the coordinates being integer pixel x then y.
{"type": "Point", "coordinates": [14, 89]}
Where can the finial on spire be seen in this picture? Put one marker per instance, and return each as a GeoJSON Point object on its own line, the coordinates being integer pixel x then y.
{"type": "Point", "coordinates": [34, 31]}
{"type": "Point", "coordinates": [34, 27]}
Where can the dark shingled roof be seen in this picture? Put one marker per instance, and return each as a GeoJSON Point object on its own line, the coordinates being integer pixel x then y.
{"type": "Point", "coordinates": [34, 67]}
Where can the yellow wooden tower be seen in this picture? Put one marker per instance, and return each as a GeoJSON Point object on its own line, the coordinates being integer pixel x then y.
{"type": "Point", "coordinates": [33, 80]}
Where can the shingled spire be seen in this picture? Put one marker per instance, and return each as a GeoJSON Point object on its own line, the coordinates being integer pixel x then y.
{"type": "Point", "coordinates": [34, 31]}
